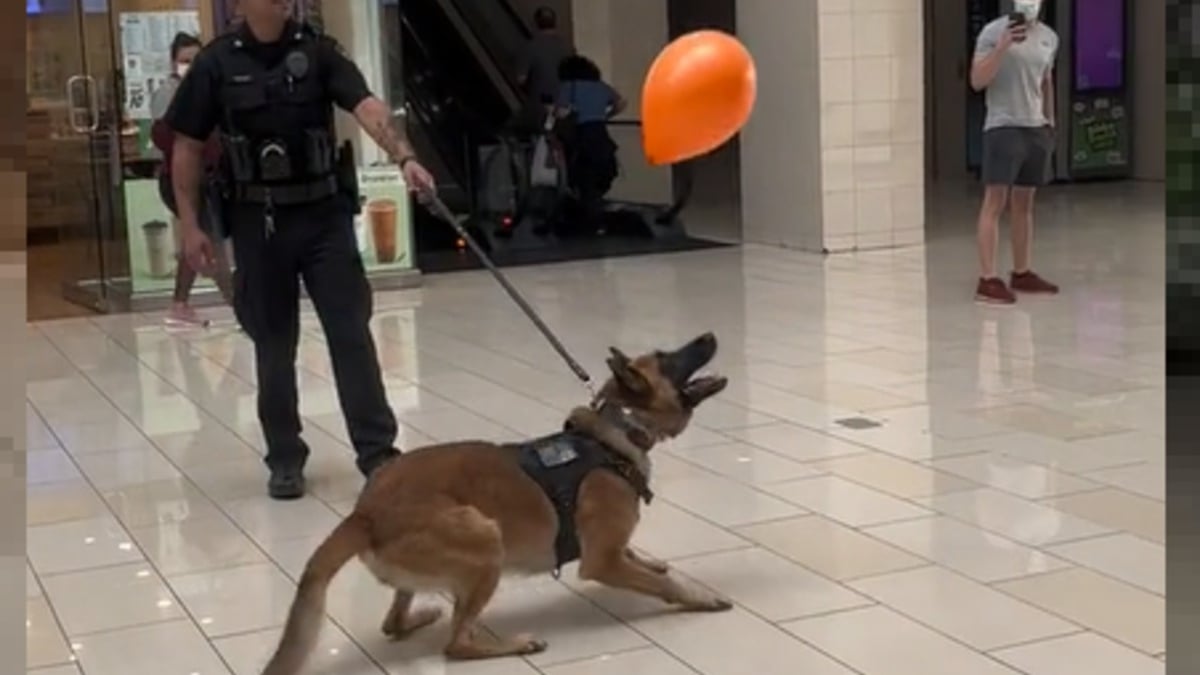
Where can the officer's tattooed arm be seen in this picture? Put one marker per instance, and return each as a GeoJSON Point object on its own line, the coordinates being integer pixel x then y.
{"type": "Point", "coordinates": [187, 174]}
{"type": "Point", "coordinates": [376, 119]}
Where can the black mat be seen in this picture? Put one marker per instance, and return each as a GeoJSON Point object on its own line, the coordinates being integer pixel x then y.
{"type": "Point", "coordinates": [563, 250]}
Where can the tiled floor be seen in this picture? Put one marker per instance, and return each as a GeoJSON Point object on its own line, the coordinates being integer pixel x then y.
{"type": "Point", "coordinates": [1006, 516]}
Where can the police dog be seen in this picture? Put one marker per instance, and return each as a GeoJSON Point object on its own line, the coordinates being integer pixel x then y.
{"type": "Point", "coordinates": [455, 517]}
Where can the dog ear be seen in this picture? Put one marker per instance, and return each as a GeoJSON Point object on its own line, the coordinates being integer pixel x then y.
{"type": "Point", "coordinates": [626, 374]}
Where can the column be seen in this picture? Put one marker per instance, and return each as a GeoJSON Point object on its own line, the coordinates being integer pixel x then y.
{"type": "Point", "coordinates": [781, 145]}
{"type": "Point", "coordinates": [356, 25]}
{"type": "Point", "coordinates": [833, 159]}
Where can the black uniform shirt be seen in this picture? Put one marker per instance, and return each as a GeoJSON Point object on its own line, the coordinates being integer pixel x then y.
{"type": "Point", "coordinates": [197, 109]}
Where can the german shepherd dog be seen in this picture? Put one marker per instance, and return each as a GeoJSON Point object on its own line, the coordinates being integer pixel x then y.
{"type": "Point", "coordinates": [455, 517]}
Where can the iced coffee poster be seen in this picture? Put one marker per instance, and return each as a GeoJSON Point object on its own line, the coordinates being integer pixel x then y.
{"type": "Point", "coordinates": [151, 233]}
{"type": "Point", "coordinates": [382, 225]}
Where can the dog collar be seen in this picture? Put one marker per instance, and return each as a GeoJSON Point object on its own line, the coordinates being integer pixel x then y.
{"type": "Point", "coordinates": [623, 418]}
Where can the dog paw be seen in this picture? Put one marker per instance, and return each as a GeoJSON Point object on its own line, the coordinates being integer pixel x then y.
{"type": "Point", "coordinates": [711, 603]}
{"type": "Point", "coordinates": [528, 644]}
{"type": "Point", "coordinates": [658, 566]}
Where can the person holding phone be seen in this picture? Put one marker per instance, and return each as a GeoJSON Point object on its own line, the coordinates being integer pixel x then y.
{"type": "Point", "coordinates": [1013, 65]}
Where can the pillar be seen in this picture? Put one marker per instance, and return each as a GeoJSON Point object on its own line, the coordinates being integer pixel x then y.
{"type": "Point", "coordinates": [833, 159]}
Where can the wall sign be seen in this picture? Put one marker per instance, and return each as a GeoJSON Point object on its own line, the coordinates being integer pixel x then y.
{"type": "Point", "coordinates": [1099, 134]}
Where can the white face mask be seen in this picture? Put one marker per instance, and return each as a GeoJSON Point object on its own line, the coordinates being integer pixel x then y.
{"type": "Point", "coordinates": [181, 69]}
{"type": "Point", "coordinates": [1030, 8]}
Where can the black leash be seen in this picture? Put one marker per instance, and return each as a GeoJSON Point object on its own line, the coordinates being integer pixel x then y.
{"type": "Point", "coordinates": [439, 209]}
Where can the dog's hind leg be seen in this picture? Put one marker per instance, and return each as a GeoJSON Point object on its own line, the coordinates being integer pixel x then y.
{"type": "Point", "coordinates": [656, 566]}
{"type": "Point", "coordinates": [466, 640]}
{"type": "Point", "coordinates": [460, 549]}
{"type": "Point", "coordinates": [402, 621]}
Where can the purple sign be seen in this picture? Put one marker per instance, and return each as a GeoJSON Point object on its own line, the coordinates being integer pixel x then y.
{"type": "Point", "coordinates": [1099, 44]}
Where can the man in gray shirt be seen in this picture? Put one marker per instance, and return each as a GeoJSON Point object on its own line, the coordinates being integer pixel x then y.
{"type": "Point", "coordinates": [1014, 62]}
{"type": "Point", "coordinates": [537, 71]}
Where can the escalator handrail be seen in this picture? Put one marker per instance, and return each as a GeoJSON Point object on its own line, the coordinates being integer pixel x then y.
{"type": "Point", "coordinates": [415, 99]}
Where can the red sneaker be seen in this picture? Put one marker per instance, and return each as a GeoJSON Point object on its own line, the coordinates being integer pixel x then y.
{"type": "Point", "coordinates": [994, 292]}
{"type": "Point", "coordinates": [1029, 282]}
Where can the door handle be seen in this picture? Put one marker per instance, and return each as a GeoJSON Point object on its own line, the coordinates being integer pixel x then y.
{"type": "Point", "coordinates": [74, 108]}
{"type": "Point", "coordinates": [93, 102]}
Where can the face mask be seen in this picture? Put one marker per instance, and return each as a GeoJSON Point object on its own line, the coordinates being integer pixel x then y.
{"type": "Point", "coordinates": [1030, 8]}
{"type": "Point", "coordinates": [181, 69]}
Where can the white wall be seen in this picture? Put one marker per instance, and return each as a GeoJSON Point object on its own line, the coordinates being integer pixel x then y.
{"type": "Point", "coordinates": [1149, 53]}
{"type": "Point", "coordinates": [356, 26]}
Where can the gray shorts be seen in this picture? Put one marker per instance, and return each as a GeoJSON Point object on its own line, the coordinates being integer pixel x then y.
{"type": "Point", "coordinates": [1017, 156]}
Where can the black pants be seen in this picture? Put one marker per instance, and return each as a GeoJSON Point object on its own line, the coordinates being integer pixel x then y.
{"type": "Point", "coordinates": [314, 243]}
{"type": "Point", "coordinates": [592, 170]}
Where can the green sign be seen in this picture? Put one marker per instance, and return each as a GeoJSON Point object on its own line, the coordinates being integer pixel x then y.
{"type": "Point", "coordinates": [153, 239]}
{"type": "Point", "coordinates": [382, 230]}
{"type": "Point", "coordinates": [1099, 134]}
{"type": "Point", "coordinates": [382, 226]}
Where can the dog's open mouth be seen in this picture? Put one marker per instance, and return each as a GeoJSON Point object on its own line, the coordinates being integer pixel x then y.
{"type": "Point", "coordinates": [702, 387]}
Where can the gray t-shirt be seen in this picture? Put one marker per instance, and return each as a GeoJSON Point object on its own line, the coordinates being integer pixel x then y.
{"type": "Point", "coordinates": [1014, 98]}
{"type": "Point", "coordinates": [540, 64]}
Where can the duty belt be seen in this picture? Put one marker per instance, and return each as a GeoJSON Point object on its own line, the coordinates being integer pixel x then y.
{"type": "Point", "coordinates": [288, 194]}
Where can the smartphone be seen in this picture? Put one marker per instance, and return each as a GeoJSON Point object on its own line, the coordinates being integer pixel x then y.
{"type": "Point", "coordinates": [1016, 19]}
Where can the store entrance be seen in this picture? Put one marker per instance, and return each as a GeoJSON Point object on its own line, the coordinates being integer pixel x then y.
{"type": "Point", "coordinates": [74, 132]}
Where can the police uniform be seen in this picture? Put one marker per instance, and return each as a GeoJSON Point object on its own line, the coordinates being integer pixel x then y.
{"type": "Point", "coordinates": [290, 219]}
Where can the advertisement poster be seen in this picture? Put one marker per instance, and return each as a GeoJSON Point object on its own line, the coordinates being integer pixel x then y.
{"type": "Point", "coordinates": [1099, 135]}
{"type": "Point", "coordinates": [146, 60]}
{"type": "Point", "coordinates": [382, 229]}
{"type": "Point", "coordinates": [151, 236]}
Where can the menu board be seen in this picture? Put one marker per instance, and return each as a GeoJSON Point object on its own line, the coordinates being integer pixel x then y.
{"type": "Point", "coordinates": [146, 54]}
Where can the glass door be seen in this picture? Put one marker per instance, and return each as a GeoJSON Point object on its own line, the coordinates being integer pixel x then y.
{"type": "Point", "coordinates": [74, 129]}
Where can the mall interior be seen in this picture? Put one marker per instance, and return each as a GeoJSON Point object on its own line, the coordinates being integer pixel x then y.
{"type": "Point", "coordinates": [896, 481]}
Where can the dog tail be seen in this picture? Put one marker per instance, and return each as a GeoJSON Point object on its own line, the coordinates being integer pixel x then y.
{"type": "Point", "coordinates": [351, 537]}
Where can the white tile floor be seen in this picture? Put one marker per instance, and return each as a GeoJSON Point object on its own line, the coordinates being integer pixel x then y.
{"type": "Point", "coordinates": [1006, 517]}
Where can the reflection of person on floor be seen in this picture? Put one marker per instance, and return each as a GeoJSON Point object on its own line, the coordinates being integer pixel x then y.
{"type": "Point", "coordinates": [585, 104]}
{"type": "Point", "coordinates": [184, 49]}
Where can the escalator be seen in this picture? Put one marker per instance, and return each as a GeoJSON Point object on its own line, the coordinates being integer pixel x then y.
{"type": "Point", "coordinates": [457, 97]}
{"type": "Point", "coordinates": [460, 61]}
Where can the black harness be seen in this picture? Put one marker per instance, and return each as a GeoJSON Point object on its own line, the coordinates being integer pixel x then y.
{"type": "Point", "coordinates": [558, 464]}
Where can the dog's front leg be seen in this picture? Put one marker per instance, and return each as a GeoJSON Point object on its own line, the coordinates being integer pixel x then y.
{"type": "Point", "coordinates": [619, 571]}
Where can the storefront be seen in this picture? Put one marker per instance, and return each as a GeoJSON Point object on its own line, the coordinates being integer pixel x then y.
{"type": "Point", "coordinates": [93, 67]}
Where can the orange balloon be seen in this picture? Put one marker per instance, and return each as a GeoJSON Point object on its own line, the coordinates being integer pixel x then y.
{"type": "Point", "coordinates": [698, 95]}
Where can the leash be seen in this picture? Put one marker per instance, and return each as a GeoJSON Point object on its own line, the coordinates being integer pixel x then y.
{"type": "Point", "coordinates": [439, 209]}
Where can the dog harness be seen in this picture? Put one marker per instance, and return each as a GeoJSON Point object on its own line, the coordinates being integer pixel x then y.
{"type": "Point", "coordinates": [558, 464]}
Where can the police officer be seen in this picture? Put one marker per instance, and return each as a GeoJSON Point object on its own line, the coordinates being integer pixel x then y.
{"type": "Point", "coordinates": [268, 87]}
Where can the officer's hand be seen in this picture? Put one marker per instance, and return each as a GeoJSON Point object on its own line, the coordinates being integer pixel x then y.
{"type": "Point", "coordinates": [419, 180]}
{"type": "Point", "coordinates": [197, 248]}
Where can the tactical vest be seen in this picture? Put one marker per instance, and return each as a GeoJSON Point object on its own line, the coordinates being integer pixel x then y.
{"type": "Point", "coordinates": [559, 464]}
{"type": "Point", "coordinates": [277, 123]}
